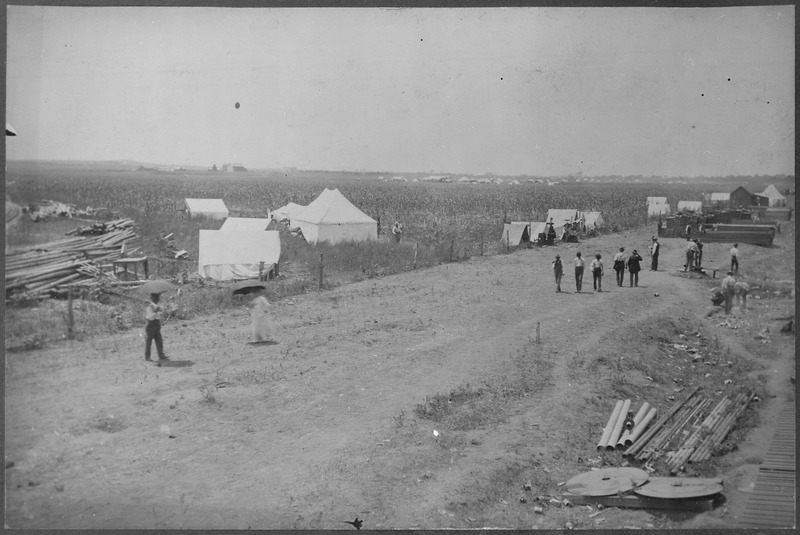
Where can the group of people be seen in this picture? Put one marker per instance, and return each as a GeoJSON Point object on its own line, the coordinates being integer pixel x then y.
{"type": "Point", "coordinates": [622, 262]}
{"type": "Point", "coordinates": [729, 290]}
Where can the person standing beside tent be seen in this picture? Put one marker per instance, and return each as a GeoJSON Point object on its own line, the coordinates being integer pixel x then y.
{"type": "Point", "coordinates": [262, 327]}
{"type": "Point", "coordinates": [728, 287]}
{"type": "Point", "coordinates": [634, 267]}
{"type": "Point", "coordinates": [698, 255]}
{"type": "Point", "coordinates": [152, 314]}
{"type": "Point", "coordinates": [619, 265]}
{"type": "Point", "coordinates": [551, 232]}
{"type": "Point", "coordinates": [597, 272]}
{"type": "Point", "coordinates": [397, 231]}
{"type": "Point", "coordinates": [558, 270]}
{"type": "Point", "coordinates": [735, 258]}
{"type": "Point", "coordinates": [654, 250]}
{"type": "Point", "coordinates": [580, 264]}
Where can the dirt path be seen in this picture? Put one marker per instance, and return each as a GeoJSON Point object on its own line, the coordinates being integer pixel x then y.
{"type": "Point", "coordinates": [322, 426]}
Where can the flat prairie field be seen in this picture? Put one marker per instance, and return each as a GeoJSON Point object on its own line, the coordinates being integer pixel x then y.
{"type": "Point", "coordinates": [461, 394]}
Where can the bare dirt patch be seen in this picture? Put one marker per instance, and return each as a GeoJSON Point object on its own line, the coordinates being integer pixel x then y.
{"type": "Point", "coordinates": [338, 419]}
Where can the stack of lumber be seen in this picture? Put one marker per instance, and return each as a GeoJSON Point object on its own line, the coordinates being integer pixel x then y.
{"type": "Point", "coordinates": [690, 431]}
{"type": "Point", "coordinates": [752, 234]}
{"type": "Point", "coordinates": [102, 228]}
{"type": "Point", "coordinates": [35, 272]}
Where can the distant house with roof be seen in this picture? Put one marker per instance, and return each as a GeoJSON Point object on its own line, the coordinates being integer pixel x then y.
{"type": "Point", "coordinates": [741, 198]}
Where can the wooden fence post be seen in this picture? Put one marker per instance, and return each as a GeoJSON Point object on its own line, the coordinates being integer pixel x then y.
{"type": "Point", "coordinates": [320, 271]}
{"type": "Point", "coordinates": [416, 248]}
{"type": "Point", "coordinates": [537, 332]}
{"type": "Point", "coordinates": [508, 241]}
{"type": "Point", "coordinates": [261, 270]}
{"type": "Point", "coordinates": [452, 244]}
{"type": "Point", "coordinates": [70, 316]}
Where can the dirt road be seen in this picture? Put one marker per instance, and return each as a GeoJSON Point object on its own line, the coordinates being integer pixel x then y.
{"type": "Point", "coordinates": [322, 427]}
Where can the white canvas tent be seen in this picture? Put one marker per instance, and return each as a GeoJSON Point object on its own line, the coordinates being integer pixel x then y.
{"type": "Point", "coordinates": [774, 196]}
{"type": "Point", "coordinates": [657, 209]}
{"type": "Point", "coordinates": [227, 254]}
{"type": "Point", "coordinates": [213, 208]}
{"type": "Point", "coordinates": [720, 197]}
{"type": "Point", "coordinates": [656, 200]}
{"type": "Point", "coordinates": [288, 212]}
{"type": "Point", "coordinates": [247, 223]}
{"type": "Point", "coordinates": [690, 206]}
{"type": "Point", "coordinates": [514, 232]}
{"type": "Point", "coordinates": [593, 220]}
{"type": "Point", "coordinates": [332, 218]}
{"type": "Point", "coordinates": [561, 217]}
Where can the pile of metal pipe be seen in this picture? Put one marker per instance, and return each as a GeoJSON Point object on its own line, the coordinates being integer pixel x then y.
{"type": "Point", "coordinates": [677, 458]}
{"type": "Point", "coordinates": [615, 435]}
{"type": "Point", "coordinates": [644, 438]}
{"type": "Point", "coordinates": [721, 429]}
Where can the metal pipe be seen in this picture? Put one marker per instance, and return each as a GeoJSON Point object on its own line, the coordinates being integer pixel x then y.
{"type": "Point", "coordinates": [612, 441]}
{"type": "Point", "coordinates": [726, 426]}
{"type": "Point", "coordinates": [704, 452]}
{"type": "Point", "coordinates": [662, 435]}
{"type": "Point", "coordinates": [621, 443]}
{"type": "Point", "coordinates": [707, 440]}
{"type": "Point", "coordinates": [681, 423]}
{"type": "Point", "coordinates": [610, 426]}
{"type": "Point", "coordinates": [644, 439]}
{"type": "Point", "coordinates": [639, 429]}
{"type": "Point", "coordinates": [691, 443]}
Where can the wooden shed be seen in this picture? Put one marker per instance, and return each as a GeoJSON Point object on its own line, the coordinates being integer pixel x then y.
{"type": "Point", "coordinates": [741, 198]}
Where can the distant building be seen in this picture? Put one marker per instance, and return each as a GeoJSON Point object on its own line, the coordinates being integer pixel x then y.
{"type": "Point", "coordinates": [760, 200]}
{"type": "Point", "coordinates": [741, 198]}
{"type": "Point", "coordinates": [231, 167]}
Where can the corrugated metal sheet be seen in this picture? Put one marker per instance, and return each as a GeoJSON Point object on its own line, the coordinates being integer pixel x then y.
{"type": "Point", "coordinates": [772, 504]}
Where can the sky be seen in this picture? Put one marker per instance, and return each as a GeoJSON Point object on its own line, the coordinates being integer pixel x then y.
{"type": "Point", "coordinates": [538, 91]}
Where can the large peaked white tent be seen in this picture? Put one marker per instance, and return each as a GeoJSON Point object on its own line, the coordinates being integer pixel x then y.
{"type": "Point", "coordinates": [332, 218]}
{"type": "Point", "coordinates": [228, 254]}
{"type": "Point", "coordinates": [775, 197]}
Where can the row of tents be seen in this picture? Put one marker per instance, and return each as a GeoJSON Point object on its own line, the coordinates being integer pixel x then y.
{"type": "Point", "coordinates": [246, 248]}
{"type": "Point", "coordinates": [517, 232]}
{"type": "Point", "coordinates": [740, 197]}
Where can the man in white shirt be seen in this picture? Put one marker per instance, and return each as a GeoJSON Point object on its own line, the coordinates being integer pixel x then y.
{"type": "Point", "coordinates": [728, 288]}
{"type": "Point", "coordinates": [580, 263]}
{"type": "Point", "coordinates": [619, 265]}
{"type": "Point", "coordinates": [596, 268]}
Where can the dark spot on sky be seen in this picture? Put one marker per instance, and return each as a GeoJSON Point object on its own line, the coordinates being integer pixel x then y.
{"type": "Point", "coordinates": [702, 94]}
{"type": "Point", "coordinates": [420, 40]}
{"type": "Point", "coordinates": [729, 79]}
{"type": "Point", "coordinates": [768, 102]}
{"type": "Point", "coordinates": [236, 105]}
{"type": "Point", "coordinates": [501, 77]}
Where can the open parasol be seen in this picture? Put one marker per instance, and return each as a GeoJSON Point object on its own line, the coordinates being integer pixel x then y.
{"type": "Point", "coordinates": [247, 286]}
{"type": "Point", "coordinates": [156, 287]}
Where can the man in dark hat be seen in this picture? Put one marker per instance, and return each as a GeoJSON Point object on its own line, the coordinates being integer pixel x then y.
{"type": "Point", "coordinates": [153, 328]}
{"type": "Point", "coordinates": [634, 267]}
{"type": "Point", "coordinates": [558, 270]}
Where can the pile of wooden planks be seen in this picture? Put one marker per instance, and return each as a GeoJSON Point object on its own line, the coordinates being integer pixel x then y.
{"type": "Point", "coordinates": [33, 273]}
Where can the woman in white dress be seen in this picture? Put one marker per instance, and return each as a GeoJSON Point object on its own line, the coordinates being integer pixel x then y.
{"type": "Point", "coordinates": [262, 326]}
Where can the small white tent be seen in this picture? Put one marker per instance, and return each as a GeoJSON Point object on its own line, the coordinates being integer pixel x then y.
{"type": "Point", "coordinates": [227, 255]}
{"type": "Point", "coordinates": [332, 218]}
{"type": "Point", "coordinates": [514, 232]}
{"type": "Point", "coordinates": [774, 196]}
{"type": "Point", "coordinates": [658, 210]}
{"type": "Point", "coordinates": [213, 208]}
{"type": "Point", "coordinates": [690, 206]}
{"type": "Point", "coordinates": [288, 212]}
{"type": "Point", "coordinates": [593, 220]}
{"type": "Point", "coordinates": [656, 200]}
{"type": "Point", "coordinates": [248, 223]}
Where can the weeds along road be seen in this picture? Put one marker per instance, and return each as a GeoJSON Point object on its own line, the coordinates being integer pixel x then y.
{"type": "Point", "coordinates": [322, 427]}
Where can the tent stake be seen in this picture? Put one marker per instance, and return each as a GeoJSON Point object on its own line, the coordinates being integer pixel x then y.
{"type": "Point", "coordinates": [320, 271]}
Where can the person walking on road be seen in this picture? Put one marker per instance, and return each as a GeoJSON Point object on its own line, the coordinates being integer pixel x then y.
{"type": "Point", "coordinates": [261, 326]}
{"type": "Point", "coordinates": [597, 272]}
{"type": "Point", "coordinates": [654, 250]}
{"type": "Point", "coordinates": [735, 258]}
{"type": "Point", "coordinates": [619, 265]}
{"type": "Point", "coordinates": [558, 270]}
{"type": "Point", "coordinates": [152, 314]}
{"type": "Point", "coordinates": [634, 267]}
{"type": "Point", "coordinates": [728, 287]}
{"type": "Point", "coordinates": [580, 264]}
